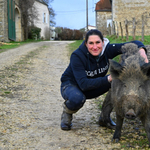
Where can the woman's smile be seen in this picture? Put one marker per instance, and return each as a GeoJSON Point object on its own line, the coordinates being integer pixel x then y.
{"type": "Point", "coordinates": [95, 45]}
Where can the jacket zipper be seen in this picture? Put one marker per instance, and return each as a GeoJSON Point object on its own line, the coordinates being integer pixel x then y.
{"type": "Point", "coordinates": [97, 64]}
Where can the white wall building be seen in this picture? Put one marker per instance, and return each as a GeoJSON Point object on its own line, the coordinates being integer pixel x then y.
{"type": "Point", "coordinates": [90, 27]}
{"type": "Point", "coordinates": [43, 18]}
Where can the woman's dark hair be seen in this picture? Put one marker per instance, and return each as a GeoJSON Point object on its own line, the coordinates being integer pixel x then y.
{"type": "Point", "coordinates": [93, 32]}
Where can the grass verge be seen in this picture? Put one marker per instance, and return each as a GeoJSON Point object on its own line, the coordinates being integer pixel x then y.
{"type": "Point", "coordinates": [10, 45]}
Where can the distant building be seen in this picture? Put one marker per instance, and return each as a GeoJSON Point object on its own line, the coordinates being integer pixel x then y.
{"type": "Point", "coordinates": [90, 27]}
{"type": "Point", "coordinates": [53, 34]}
{"type": "Point", "coordinates": [116, 12]}
{"type": "Point", "coordinates": [103, 15]}
{"type": "Point", "coordinates": [10, 21]}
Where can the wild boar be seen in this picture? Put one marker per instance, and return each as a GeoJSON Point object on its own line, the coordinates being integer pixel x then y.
{"type": "Point", "coordinates": [130, 89]}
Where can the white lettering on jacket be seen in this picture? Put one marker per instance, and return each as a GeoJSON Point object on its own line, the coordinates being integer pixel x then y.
{"type": "Point", "coordinates": [95, 72]}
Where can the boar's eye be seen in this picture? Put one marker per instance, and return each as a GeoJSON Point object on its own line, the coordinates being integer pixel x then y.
{"type": "Point", "coordinates": [124, 85]}
{"type": "Point", "coordinates": [140, 86]}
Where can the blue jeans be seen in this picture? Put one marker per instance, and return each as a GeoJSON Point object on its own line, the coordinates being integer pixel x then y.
{"type": "Point", "coordinates": [75, 98]}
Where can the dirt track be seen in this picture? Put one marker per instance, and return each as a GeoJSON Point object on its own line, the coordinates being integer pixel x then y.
{"type": "Point", "coordinates": [31, 104]}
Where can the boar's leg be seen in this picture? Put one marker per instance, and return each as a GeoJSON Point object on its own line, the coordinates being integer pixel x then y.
{"type": "Point", "coordinates": [146, 123]}
{"type": "Point", "coordinates": [117, 133]}
{"type": "Point", "coordinates": [105, 120]}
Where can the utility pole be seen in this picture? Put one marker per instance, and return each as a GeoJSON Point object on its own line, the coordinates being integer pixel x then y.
{"type": "Point", "coordinates": [87, 15]}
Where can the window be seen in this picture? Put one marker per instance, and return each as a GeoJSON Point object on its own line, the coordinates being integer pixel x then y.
{"type": "Point", "coordinates": [44, 17]}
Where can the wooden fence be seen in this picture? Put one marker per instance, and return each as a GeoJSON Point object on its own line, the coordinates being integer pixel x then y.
{"type": "Point", "coordinates": [131, 27]}
{"type": "Point", "coordinates": [1, 29]}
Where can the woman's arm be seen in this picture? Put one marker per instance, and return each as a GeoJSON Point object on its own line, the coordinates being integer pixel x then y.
{"type": "Point", "coordinates": [142, 53]}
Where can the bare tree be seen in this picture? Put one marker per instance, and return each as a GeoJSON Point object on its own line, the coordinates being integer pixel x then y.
{"type": "Point", "coordinates": [52, 17]}
{"type": "Point", "coordinates": [27, 14]}
{"type": "Point", "coordinates": [47, 1]}
{"type": "Point", "coordinates": [51, 12]}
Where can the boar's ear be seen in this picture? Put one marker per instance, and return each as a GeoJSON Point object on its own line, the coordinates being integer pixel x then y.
{"type": "Point", "coordinates": [115, 68]}
{"type": "Point", "coordinates": [146, 69]}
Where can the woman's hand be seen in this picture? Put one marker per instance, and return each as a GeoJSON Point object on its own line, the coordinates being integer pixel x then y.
{"type": "Point", "coordinates": [143, 54]}
{"type": "Point", "coordinates": [109, 78]}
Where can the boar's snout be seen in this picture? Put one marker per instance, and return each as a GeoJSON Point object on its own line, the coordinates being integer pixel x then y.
{"type": "Point", "coordinates": [130, 114]}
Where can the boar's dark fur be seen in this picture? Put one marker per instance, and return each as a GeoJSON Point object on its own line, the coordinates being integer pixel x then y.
{"type": "Point", "coordinates": [130, 88]}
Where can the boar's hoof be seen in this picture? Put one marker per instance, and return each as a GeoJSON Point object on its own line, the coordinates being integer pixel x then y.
{"type": "Point", "coordinates": [115, 140]}
{"type": "Point", "coordinates": [109, 124]}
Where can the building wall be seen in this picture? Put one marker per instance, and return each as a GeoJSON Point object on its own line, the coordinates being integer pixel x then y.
{"type": "Point", "coordinates": [129, 9]}
{"type": "Point", "coordinates": [43, 19]}
{"type": "Point", "coordinates": [101, 21]}
{"type": "Point", "coordinates": [19, 28]}
{"type": "Point", "coordinates": [3, 21]}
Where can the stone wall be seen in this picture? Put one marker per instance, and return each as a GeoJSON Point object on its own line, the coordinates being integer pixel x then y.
{"type": "Point", "coordinates": [101, 21]}
{"type": "Point", "coordinates": [129, 9]}
{"type": "Point", "coordinates": [3, 21]}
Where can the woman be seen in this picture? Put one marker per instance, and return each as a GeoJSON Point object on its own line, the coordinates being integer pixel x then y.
{"type": "Point", "coordinates": [85, 77]}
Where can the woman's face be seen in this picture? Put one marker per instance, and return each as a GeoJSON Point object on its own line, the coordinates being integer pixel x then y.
{"type": "Point", "coordinates": [94, 45]}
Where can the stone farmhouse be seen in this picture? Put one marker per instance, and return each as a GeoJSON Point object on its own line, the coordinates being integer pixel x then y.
{"type": "Point", "coordinates": [11, 27]}
{"type": "Point", "coordinates": [115, 12]}
{"type": "Point", "coordinates": [103, 15]}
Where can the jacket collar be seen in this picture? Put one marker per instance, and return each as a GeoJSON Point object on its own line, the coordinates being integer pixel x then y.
{"type": "Point", "coordinates": [106, 41]}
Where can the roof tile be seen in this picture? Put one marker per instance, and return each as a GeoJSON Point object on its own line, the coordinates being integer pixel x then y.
{"type": "Point", "coordinates": [103, 5]}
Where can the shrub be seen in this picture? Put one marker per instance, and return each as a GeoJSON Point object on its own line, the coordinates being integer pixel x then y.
{"type": "Point", "coordinates": [69, 34]}
{"type": "Point", "coordinates": [34, 32]}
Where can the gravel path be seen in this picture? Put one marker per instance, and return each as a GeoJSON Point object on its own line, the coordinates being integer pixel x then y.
{"type": "Point", "coordinates": [31, 104]}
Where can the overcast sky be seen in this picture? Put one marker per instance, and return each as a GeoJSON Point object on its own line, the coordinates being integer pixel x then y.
{"type": "Point", "coordinates": [72, 13]}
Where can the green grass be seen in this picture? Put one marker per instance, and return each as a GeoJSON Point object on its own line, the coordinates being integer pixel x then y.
{"type": "Point", "coordinates": [10, 45]}
{"type": "Point", "coordinates": [114, 39]}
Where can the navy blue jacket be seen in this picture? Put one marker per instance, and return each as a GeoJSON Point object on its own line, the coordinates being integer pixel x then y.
{"type": "Point", "coordinates": [89, 72]}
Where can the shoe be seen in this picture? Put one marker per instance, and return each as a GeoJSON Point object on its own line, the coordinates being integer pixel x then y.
{"type": "Point", "coordinates": [66, 121]}
{"type": "Point", "coordinates": [109, 123]}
